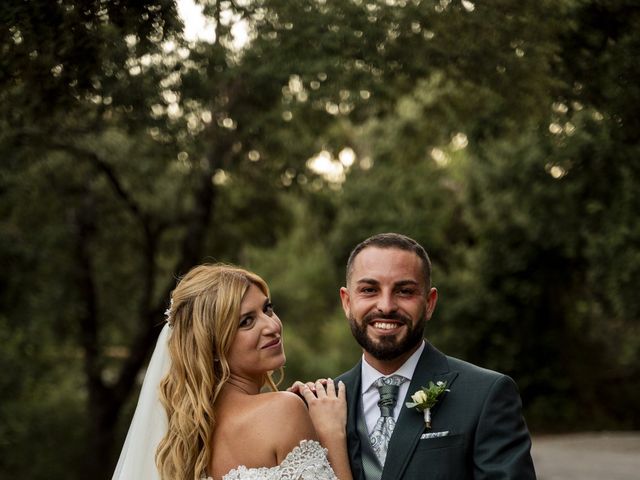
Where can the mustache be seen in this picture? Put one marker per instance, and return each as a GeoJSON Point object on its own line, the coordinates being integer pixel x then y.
{"type": "Point", "coordinates": [398, 317]}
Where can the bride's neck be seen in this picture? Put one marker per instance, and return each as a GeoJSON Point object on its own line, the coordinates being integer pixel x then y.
{"type": "Point", "coordinates": [243, 385]}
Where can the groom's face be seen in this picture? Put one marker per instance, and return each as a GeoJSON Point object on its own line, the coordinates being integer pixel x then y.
{"type": "Point", "coordinates": [387, 302]}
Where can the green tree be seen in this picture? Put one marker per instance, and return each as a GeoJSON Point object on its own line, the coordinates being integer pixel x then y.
{"type": "Point", "coordinates": [543, 286]}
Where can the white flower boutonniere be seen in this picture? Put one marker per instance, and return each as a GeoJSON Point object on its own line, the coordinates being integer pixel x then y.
{"type": "Point", "coordinates": [425, 398]}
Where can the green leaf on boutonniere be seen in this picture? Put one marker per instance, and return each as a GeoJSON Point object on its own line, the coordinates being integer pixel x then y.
{"type": "Point", "coordinates": [425, 398]}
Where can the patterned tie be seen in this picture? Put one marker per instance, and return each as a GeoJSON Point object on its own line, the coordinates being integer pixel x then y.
{"type": "Point", "coordinates": [388, 388]}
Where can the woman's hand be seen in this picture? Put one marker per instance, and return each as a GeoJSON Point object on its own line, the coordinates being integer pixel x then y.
{"type": "Point", "coordinates": [327, 408]}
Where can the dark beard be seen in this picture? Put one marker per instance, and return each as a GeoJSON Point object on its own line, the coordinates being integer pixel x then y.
{"type": "Point", "coordinates": [388, 348]}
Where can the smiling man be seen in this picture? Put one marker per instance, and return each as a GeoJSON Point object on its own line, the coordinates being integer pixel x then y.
{"type": "Point", "coordinates": [477, 430]}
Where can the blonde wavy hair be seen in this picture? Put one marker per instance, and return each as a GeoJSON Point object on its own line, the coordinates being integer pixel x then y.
{"type": "Point", "coordinates": [204, 316]}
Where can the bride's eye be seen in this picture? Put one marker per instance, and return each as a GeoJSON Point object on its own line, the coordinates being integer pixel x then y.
{"type": "Point", "coordinates": [246, 321]}
{"type": "Point", "coordinates": [268, 308]}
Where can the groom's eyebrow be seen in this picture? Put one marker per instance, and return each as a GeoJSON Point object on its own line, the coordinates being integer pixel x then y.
{"type": "Point", "coordinates": [368, 281]}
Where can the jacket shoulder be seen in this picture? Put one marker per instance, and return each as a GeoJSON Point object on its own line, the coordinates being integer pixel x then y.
{"type": "Point", "coordinates": [481, 379]}
{"type": "Point", "coordinates": [468, 368]}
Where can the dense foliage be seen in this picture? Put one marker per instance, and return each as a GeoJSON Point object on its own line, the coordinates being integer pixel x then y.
{"type": "Point", "coordinates": [501, 134]}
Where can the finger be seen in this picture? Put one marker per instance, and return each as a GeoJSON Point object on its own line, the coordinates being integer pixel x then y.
{"type": "Point", "coordinates": [296, 387]}
{"type": "Point", "coordinates": [331, 388]}
{"type": "Point", "coordinates": [320, 391]}
{"type": "Point", "coordinates": [307, 394]}
{"type": "Point", "coordinates": [292, 388]}
{"type": "Point", "coordinates": [311, 386]}
{"type": "Point", "coordinates": [342, 390]}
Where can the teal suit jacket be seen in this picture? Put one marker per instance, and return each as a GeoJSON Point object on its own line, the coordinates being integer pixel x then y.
{"type": "Point", "coordinates": [487, 437]}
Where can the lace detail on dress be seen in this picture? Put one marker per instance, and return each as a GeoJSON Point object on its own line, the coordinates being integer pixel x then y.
{"type": "Point", "coordinates": [307, 461]}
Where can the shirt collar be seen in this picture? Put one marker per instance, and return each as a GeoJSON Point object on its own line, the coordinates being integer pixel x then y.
{"type": "Point", "coordinates": [370, 374]}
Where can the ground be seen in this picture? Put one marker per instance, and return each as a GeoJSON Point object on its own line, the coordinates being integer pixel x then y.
{"type": "Point", "coordinates": [587, 456]}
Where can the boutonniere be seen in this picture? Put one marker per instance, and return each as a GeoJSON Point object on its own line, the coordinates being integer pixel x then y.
{"type": "Point", "coordinates": [425, 398]}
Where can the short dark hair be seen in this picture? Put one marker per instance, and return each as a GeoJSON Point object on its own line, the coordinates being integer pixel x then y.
{"type": "Point", "coordinates": [393, 240]}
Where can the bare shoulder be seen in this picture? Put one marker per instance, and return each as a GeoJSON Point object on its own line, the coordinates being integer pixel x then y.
{"type": "Point", "coordinates": [285, 419]}
{"type": "Point", "coordinates": [287, 399]}
{"type": "Point", "coordinates": [284, 405]}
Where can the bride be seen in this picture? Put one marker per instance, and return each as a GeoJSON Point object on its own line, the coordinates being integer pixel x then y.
{"type": "Point", "coordinates": [201, 412]}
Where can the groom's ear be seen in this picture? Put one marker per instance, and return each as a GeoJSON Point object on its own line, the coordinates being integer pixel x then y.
{"type": "Point", "coordinates": [432, 299]}
{"type": "Point", "coordinates": [346, 301]}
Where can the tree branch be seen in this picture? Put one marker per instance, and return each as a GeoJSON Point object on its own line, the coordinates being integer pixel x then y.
{"type": "Point", "coordinates": [246, 12]}
{"type": "Point", "coordinates": [101, 165]}
{"type": "Point", "coordinates": [108, 172]}
{"type": "Point", "coordinates": [84, 228]}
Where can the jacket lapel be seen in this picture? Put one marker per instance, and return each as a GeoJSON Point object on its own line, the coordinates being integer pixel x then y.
{"type": "Point", "coordinates": [352, 381]}
{"type": "Point", "coordinates": [432, 366]}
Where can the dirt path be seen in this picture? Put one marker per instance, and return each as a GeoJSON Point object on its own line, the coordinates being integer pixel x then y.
{"type": "Point", "coordinates": [588, 456]}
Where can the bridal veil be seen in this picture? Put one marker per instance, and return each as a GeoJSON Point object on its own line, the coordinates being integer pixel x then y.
{"type": "Point", "coordinates": [149, 424]}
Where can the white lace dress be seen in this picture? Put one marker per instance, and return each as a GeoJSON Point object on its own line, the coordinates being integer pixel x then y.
{"type": "Point", "coordinates": [307, 461]}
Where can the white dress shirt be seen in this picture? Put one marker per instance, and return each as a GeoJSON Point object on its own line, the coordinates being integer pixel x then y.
{"type": "Point", "coordinates": [370, 395]}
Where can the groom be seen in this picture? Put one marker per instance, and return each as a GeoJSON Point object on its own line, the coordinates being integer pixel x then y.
{"type": "Point", "coordinates": [477, 430]}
